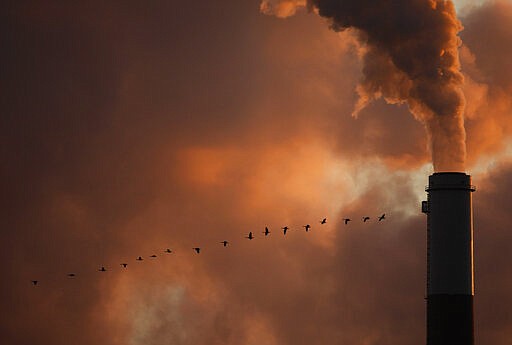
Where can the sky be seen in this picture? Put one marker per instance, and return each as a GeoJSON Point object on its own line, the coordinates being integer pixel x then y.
{"type": "Point", "coordinates": [128, 128]}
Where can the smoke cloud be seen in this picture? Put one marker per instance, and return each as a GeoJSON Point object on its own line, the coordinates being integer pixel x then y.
{"type": "Point", "coordinates": [410, 54]}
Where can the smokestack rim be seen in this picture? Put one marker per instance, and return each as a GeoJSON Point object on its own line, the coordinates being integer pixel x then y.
{"type": "Point", "coordinates": [450, 181]}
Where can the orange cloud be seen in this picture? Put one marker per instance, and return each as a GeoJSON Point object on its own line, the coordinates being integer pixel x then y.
{"type": "Point", "coordinates": [280, 8]}
{"type": "Point", "coordinates": [174, 127]}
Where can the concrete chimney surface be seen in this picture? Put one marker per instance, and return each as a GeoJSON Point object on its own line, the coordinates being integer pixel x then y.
{"type": "Point", "coordinates": [450, 276]}
{"type": "Point", "coordinates": [450, 234]}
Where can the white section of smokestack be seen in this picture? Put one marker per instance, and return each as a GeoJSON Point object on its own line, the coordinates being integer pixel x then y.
{"type": "Point", "coordinates": [450, 234]}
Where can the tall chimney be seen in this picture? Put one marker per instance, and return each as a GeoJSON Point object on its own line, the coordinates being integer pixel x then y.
{"type": "Point", "coordinates": [450, 275]}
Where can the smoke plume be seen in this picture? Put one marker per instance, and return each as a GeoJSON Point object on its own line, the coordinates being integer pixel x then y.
{"type": "Point", "coordinates": [410, 55]}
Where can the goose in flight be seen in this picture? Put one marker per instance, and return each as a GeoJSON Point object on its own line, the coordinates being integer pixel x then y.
{"type": "Point", "coordinates": [346, 220]}
{"type": "Point", "coordinates": [197, 249]}
{"type": "Point", "coordinates": [382, 217]}
{"type": "Point", "coordinates": [168, 251]}
{"type": "Point", "coordinates": [285, 229]}
{"type": "Point", "coordinates": [323, 221]}
{"type": "Point", "coordinates": [71, 275]}
{"type": "Point", "coordinates": [139, 258]}
{"type": "Point", "coordinates": [102, 269]}
{"type": "Point", "coordinates": [365, 219]}
{"type": "Point", "coordinates": [307, 227]}
{"type": "Point", "coordinates": [124, 265]}
{"type": "Point", "coordinates": [34, 282]}
{"type": "Point", "coordinates": [250, 235]}
{"type": "Point", "coordinates": [266, 232]}
{"type": "Point", "coordinates": [224, 243]}
{"type": "Point", "coordinates": [153, 256]}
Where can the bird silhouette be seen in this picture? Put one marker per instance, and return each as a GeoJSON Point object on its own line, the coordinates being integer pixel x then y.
{"type": "Point", "coordinates": [250, 236]}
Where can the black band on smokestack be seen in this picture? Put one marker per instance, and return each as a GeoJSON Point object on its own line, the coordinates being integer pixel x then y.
{"type": "Point", "coordinates": [450, 283]}
{"type": "Point", "coordinates": [450, 320]}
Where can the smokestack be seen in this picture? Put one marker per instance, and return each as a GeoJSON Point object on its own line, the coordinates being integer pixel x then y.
{"type": "Point", "coordinates": [450, 284]}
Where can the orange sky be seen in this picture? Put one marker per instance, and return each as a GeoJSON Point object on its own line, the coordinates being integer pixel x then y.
{"type": "Point", "coordinates": [130, 128]}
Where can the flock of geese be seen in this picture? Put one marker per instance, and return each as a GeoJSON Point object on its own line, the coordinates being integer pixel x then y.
{"type": "Point", "coordinates": [225, 243]}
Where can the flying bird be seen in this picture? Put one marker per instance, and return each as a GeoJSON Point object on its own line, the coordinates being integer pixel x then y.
{"type": "Point", "coordinates": [224, 243]}
{"type": "Point", "coordinates": [153, 256]}
{"type": "Point", "coordinates": [323, 221]}
{"type": "Point", "coordinates": [307, 227]}
{"type": "Point", "coordinates": [139, 258]}
{"type": "Point", "coordinates": [124, 265]}
{"type": "Point", "coordinates": [266, 232]}
{"type": "Point", "coordinates": [285, 229]}
{"type": "Point", "coordinates": [365, 219]}
{"type": "Point", "coordinates": [34, 282]}
{"type": "Point", "coordinates": [250, 235]}
{"type": "Point", "coordinates": [71, 275]}
{"type": "Point", "coordinates": [102, 269]}
{"type": "Point", "coordinates": [382, 217]}
{"type": "Point", "coordinates": [346, 220]}
{"type": "Point", "coordinates": [168, 251]}
{"type": "Point", "coordinates": [197, 249]}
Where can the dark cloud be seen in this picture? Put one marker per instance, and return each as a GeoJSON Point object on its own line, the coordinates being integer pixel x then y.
{"type": "Point", "coordinates": [127, 129]}
{"type": "Point", "coordinates": [492, 239]}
